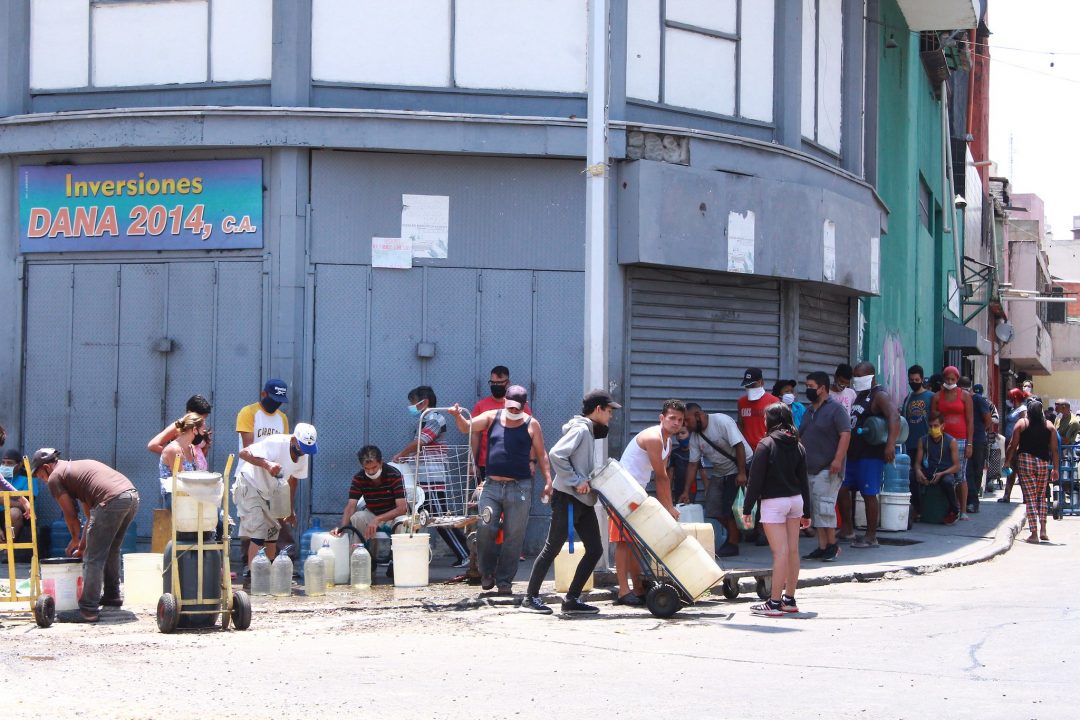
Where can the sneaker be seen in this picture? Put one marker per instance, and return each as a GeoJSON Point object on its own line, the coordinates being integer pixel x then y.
{"type": "Point", "coordinates": [574, 606]}
{"type": "Point", "coordinates": [831, 553]}
{"type": "Point", "coordinates": [971, 508]}
{"type": "Point", "coordinates": [629, 599]}
{"type": "Point", "coordinates": [487, 582]}
{"type": "Point", "coordinates": [504, 590]}
{"type": "Point", "coordinates": [815, 554]}
{"type": "Point", "coordinates": [788, 604]}
{"type": "Point", "coordinates": [463, 563]}
{"type": "Point", "coordinates": [769, 608]}
{"type": "Point", "coordinates": [950, 518]}
{"type": "Point", "coordinates": [728, 550]}
{"type": "Point", "coordinates": [963, 516]}
{"type": "Point", "coordinates": [533, 604]}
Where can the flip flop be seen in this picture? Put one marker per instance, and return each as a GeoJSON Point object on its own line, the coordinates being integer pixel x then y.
{"type": "Point", "coordinates": [863, 544]}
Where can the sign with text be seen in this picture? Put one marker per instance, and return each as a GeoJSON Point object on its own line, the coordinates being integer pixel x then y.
{"type": "Point", "coordinates": [200, 205]}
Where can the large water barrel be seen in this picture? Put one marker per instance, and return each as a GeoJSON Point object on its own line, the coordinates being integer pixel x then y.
{"type": "Point", "coordinates": [188, 567]}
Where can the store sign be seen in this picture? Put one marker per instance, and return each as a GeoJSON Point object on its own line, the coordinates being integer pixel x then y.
{"type": "Point", "coordinates": [205, 205]}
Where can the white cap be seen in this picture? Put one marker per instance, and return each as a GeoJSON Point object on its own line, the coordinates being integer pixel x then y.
{"type": "Point", "coordinates": [306, 437]}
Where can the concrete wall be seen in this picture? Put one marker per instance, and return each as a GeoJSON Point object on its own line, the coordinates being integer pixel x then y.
{"type": "Point", "coordinates": [1031, 348]}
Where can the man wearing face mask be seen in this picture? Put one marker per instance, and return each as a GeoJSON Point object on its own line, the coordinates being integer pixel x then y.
{"type": "Point", "coordinates": [825, 434]}
{"type": "Point", "coordinates": [785, 390]}
{"type": "Point", "coordinates": [260, 420]}
{"type": "Point", "coordinates": [498, 382]}
{"type": "Point", "coordinates": [916, 410]}
{"type": "Point", "coordinates": [866, 462]}
{"type": "Point", "coordinates": [752, 407]}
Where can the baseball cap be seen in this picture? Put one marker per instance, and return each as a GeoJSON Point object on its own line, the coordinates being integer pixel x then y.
{"type": "Point", "coordinates": [277, 390]}
{"type": "Point", "coordinates": [977, 389]}
{"type": "Point", "coordinates": [598, 398]}
{"type": "Point", "coordinates": [751, 376]}
{"type": "Point", "coordinates": [306, 437]}
{"type": "Point", "coordinates": [43, 456]}
{"type": "Point", "coordinates": [516, 397]}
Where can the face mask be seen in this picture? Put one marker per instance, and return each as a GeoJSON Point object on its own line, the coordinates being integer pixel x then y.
{"type": "Point", "coordinates": [7, 471]}
{"type": "Point", "coordinates": [862, 384]}
{"type": "Point", "coordinates": [755, 393]}
{"type": "Point", "coordinates": [936, 433]}
{"type": "Point", "coordinates": [915, 387]}
{"type": "Point", "coordinates": [414, 410]}
{"type": "Point", "coordinates": [198, 439]}
{"type": "Point", "coordinates": [514, 416]}
{"type": "Point", "coordinates": [599, 431]}
{"type": "Point", "coordinates": [270, 406]}
{"type": "Point", "coordinates": [812, 394]}
{"type": "Point", "coordinates": [787, 398]}
{"type": "Point", "coordinates": [498, 391]}
{"type": "Point", "coordinates": [949, 386]}
{"type": "Point", "coordinates": [372, 476]}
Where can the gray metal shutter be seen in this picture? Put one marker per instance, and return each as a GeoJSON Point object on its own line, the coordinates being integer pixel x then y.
{"type": "Point", "coordinates": [691, 336]}
{"type": "Point", "coordinates": [824, 330]}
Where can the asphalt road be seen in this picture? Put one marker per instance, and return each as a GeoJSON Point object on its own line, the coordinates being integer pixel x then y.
{"type": "Point", "coordinates": [994, 640]}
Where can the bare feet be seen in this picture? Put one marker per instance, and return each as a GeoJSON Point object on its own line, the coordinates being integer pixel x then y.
{"type": "Point", "coordinates": [1033, 539]}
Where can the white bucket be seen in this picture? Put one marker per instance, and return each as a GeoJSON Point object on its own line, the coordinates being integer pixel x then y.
{"type": "Point", "coordinates": [566, 565]}
{"type": "Point", "coordinates": [64, 582]}
{"type": "Point", "coordinates": [894, 511]}
{"type": "Point", "coordinates": [197, 496]}
{"type": "Point", "coordinates": [693, 567]}
{"type": "Point", "coordinates": [142, 579]}
{"type": "Point", "coordinates": [412, 555]}
{"type": "Point", "coordinates": [704, 534]}
{"type": "Point", "coordinates": [341, 547]}
{"type": "Point", "coordinates": [659, 531]}
{"type": "Point", "coordinates": [618, 487]}
{"type": "Point", "coordinates": [691, 513]}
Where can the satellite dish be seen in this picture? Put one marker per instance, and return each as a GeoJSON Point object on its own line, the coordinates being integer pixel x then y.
{"type": "Point", "coordinates": [1004, 332]}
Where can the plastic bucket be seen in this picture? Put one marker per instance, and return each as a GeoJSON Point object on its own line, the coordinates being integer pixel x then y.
{"type": "Point", "coordinates": [618, 487]}
{"type": "Point", "coordinates": [894, 511]}
{"type": "Point", "coordinates": [62, 578]}
{"type": "Point", "coordinates": [654, 524]}
{"type": "Point", "coordinates": [142, 579]}
{"type": "Point", "coordinates": [703, 532]}
{"type": "Point", "coordinates": [412, 555]}
{"type": "Point", "coordinates": [691, 513]}
{"type": "Point", "coordinates": [693, 567]}
{"type": "Point", "coordinates": [566, 565]}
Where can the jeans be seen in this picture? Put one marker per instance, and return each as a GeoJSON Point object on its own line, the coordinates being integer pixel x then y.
{"type": "Point", "coordinates": [976, 465]}
{"type": "Point", "coordinates": [511, 499]}
{"type": "Point", "coordinates": [104, 535]}
{"type": "Point", "coordinates": [586, 528]}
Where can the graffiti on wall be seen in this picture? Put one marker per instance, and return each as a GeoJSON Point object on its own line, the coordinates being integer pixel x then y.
{"type": "Point", "coordinates": [892, 367]}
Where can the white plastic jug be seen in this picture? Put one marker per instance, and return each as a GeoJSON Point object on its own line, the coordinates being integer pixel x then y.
{"type": "Point", "coordinates": [142, 579]}
{"type": "Point", "coordinates": [337, 571]}
{"type": "Point", "coordinates": [327, 554]}
{"type": "Point", "coordinates": [659, 531]}
{"type": "Point", "coordinates": [412, 555]}
{"type": "Point", "coordinates": [566, 565]}
{"type": "Point", "coordinates": [691, 513]}
{"type": "Point", "coordinates": [704, 533]}
{"type": "Point", "coordinates": [63, 580]}
{"type": "Point", "coordinates": [280, 499]}
{"type": "Point", "coordinates": [693, 567]}
{"type": "Point", "coordinates": [618, 487]}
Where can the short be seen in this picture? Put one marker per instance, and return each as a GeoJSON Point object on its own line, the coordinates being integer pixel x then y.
{"type": "Point", "coordinates": [720, 497]}
{"type": "Point", "coordinates": [961, 449]}
{"type": "Point", "coordinates": [865, 476]}
{"type": "Point", "coordinates": [362, 518]}
{"type": "Point", "coordinates": [824, 489]}
{"type": "Point", "coordinates": [616, 531]}
{"type": "Point", "coordinates": [254, 512]}
{"type": "Point", "coordinates": [777, 511]}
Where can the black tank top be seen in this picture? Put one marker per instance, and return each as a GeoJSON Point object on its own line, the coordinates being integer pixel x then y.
{"type": "Point", "coordinates": [1035, 440]}
{"type": "Point", "coordinates": [508, 449]}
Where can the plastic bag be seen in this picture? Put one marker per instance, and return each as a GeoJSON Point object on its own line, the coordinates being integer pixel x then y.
{"type": "Point", "coordinates": [737, 509]}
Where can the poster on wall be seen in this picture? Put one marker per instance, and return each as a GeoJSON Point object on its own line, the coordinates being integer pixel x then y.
{"type": "Point", "coordinates": [391, 253]}
{"type": "Point", "coordinates": [196, 205]}
{"type": "Point", "coordinates": [425, 222]}
{"type": "Point", "coordinates": [828, 269]}
{"type": "Point", "coordinates": [875, 265]}
{"type": "Point", "coordinates": [740, 242]}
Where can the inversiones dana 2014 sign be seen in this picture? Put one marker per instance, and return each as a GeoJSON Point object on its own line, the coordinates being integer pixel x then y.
{"type": "Point", "coordinates": [213, 204]}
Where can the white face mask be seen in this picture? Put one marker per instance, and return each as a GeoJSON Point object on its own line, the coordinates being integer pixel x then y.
{"type": "Point", "coordinates": [788, 398]}
{"type": "Point", "coordinates": [7, 471]}
{"type": "Point", "coordinates": [862, 384]}
{"type": "Point", "coordinates": [514, 415]}
{"type": "Point", "coordinates": [372, 476]}
{"type": "Point", "coordinates": [755, 393]}
{"type": "Point", "coordinates": [949, 386]}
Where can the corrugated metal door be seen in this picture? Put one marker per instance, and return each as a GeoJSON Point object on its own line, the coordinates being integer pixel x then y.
{"type": "Point", "coordinates": [691, 336]}
{"type": "Point", "coordinates": [824, 331]}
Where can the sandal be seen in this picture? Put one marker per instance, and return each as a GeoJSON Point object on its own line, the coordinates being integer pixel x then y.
{"type": "Point", "coordinates": [863, 543]}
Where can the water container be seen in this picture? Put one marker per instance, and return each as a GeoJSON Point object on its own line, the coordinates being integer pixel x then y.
{"type": "Point", "coordinates": [618, 487]}
{"type": "Point", "coordinates": [142, 579]}
{"type": "Point", "coordinates": [129, 543]}
{"type": "Point", "coordinates": [281, 575]}
{"type": "Point", "coordinates": [692, 566]}
{"type": "Point", "coordinates": [305, 542]}
{"type": "Point", "coordinates": [704, 533]}
{"type": "Point", "coordinates": [893, 510]}
{"type": "Point", "coordinates": [260, 574]}
{"type": "Point", "coordinates": [339, 571]}
{"type": "Point", "coordinates": [62, 578]}
{"type": "Point", "coordinates": [691, 513]}
{"type": "Point", "coordinates": [657, 529]}
{"type": "Point", "coordinates": [327, 555]}
{"type": "Point", "coordinates": [566, 565]}
{"type": "Point", "coordinates": [197, 501]}
{"type": "Point", "coordinates": [314, 580]}
{"type": "Point", "coordinates": [412, 555]}
{"type": "Point", "coordinates": [188, 570]}
{"type": "Point", "coordinates": [360, 567]}
{"type": "Point", "coordinates": [897, 478]}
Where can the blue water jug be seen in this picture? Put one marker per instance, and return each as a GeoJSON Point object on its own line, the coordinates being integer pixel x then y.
{"type": "Point", "coordinates": [897, 474]}
{"type": "Point", "coordinates": [305, 542]}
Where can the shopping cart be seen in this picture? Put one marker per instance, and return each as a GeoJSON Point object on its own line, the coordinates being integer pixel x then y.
{"type": "Point", "coordinates": [1065, 494]}
{"type": "Point", "coordinates": [445, 476]}
{"type": "Point", "coordinates": [42, 606]}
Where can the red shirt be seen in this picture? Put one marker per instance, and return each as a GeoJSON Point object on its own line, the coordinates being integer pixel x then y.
{"type": "Point", "coordinates": [752, 415]}
{"type": "Point", "coordinates": [483, 405]}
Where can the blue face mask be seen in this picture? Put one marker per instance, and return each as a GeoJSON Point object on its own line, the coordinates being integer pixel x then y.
{"type": "Point", "coordinates": [414, 410]}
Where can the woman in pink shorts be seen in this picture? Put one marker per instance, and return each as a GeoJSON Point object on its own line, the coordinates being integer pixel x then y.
{"type": "Point", "coordinates": [778, 480]}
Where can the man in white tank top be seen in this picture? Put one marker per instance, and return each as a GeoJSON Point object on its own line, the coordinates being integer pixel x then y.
{"type": "Point", "coordinates": [646, 455]}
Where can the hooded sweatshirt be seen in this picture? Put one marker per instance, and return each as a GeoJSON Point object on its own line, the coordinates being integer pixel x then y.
{"type": "Point", "coordinates": [572, 458]}
{"type": "Point", "coordinates": [778, 470]}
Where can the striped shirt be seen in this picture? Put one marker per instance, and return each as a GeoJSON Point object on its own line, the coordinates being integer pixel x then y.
{"type": "Point", "coordinates": [381, 494]}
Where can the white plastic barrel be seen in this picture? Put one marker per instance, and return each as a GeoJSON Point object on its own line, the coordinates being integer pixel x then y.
{"type": "Point", "coordinates": [894, 509]}
{"type": "Point", "coordinates": [63, 580]}
{"type": "Point", "coordinates": [142, 579]}
{"type": "Point", "coordinates": [704, 534]}
{"type": "Point", "coordinates": [618, 487]}
{"type": "Point", "coordinates": [657, 529]}
{"type": "Point", "coordinates": [342, 548]}
{"type": "Point", "coordinates": [566, 565]}
{"type": "Point", "coordinates": [412, 555]}
{"type": "Point", "coordinates": [198, 494]}
{"type": "Point", "coordinates": [694, 568]}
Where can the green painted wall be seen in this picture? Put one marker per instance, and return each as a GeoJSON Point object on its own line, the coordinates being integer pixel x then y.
{"type": "Point", "coordinates": [903, 326]}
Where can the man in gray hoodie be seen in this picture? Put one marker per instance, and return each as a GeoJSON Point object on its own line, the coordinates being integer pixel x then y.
{"type": "Point", "coordinates": [572, 502]}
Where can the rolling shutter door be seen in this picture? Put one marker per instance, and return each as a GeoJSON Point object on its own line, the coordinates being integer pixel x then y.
{"type": "Point", "coordinates": [824, 330]}
{"type": "Point", "coordinates": [692, 334]}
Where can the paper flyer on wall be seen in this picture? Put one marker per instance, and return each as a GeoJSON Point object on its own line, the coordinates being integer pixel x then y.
{"type": "Point", "coordinates": [391, 253]}
{"type": "Point", "coordinates": [425, 222]}
{"type": "Point", "coordinates": [740, 242]}
{"type": "Point", "coordinates": [828, 269]}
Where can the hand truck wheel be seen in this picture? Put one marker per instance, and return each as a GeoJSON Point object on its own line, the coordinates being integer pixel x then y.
{"type": "Point", "coordinates": [662, 600]}
{"type": "Point", "coordinates": [730, 588]}
{"type": "Point", "coordinates": [241, 610]}
{"type": "Point", "coordinates": [44, 610]}
{"type": "Point", "coordinates": [168, 613]}
{"type": "Point", "coordinates": [764, 587]}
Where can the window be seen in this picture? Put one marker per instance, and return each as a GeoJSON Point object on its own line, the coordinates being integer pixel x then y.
{"type": "Point", "coordinates": [924, 206]}
{"type": "Point", "coordinates": [822, 71]}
